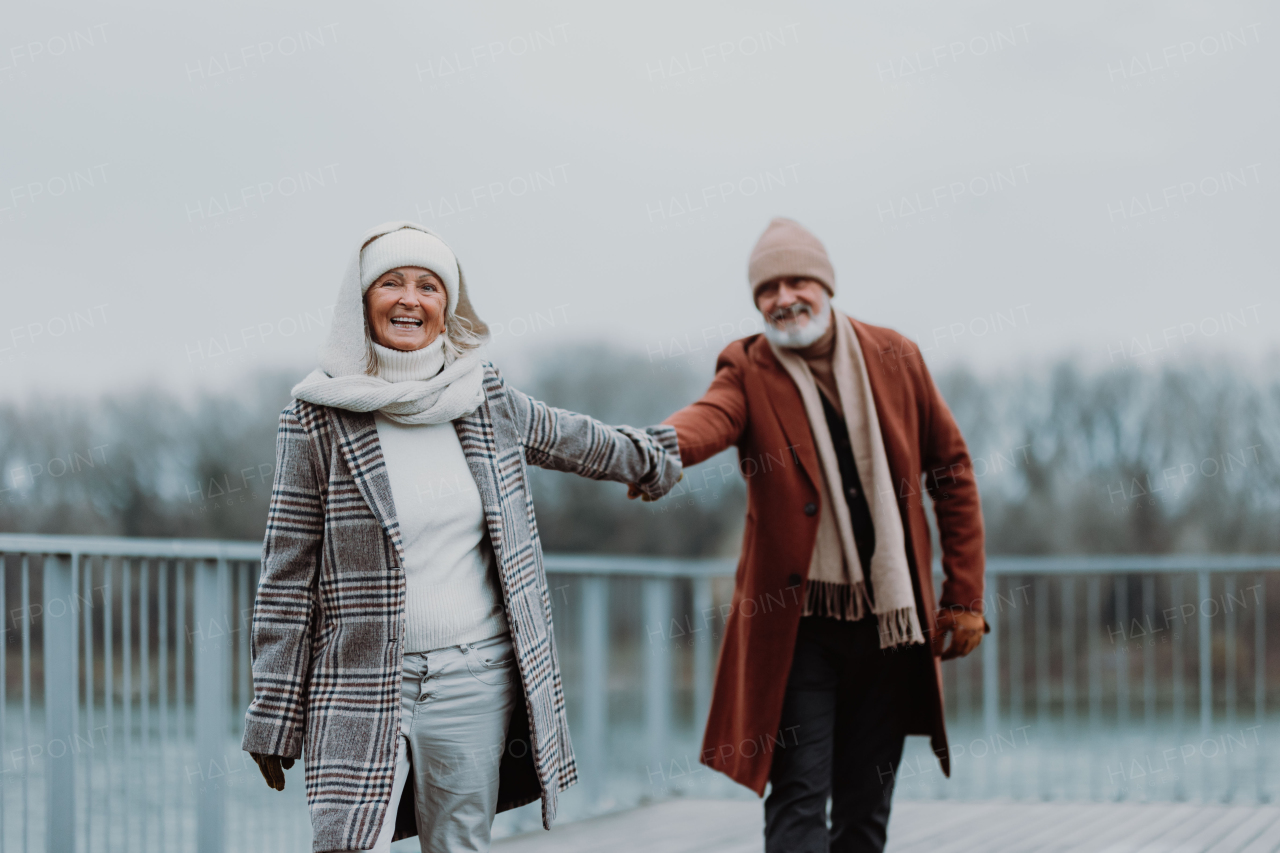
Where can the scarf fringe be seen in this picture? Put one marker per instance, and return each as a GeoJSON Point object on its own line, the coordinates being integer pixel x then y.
{"type": "Point", "coordinates": [845, 601]}
{"type": "Point", "coordinates": [836, 600]}
{"type": "Point", "coordinates": [899, 628]}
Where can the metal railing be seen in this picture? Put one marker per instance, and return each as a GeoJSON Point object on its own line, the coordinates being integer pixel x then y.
{"type": "Point", "coordinates": [126, 675]}
{"type": "Point", "coordinates": [1120, 677]}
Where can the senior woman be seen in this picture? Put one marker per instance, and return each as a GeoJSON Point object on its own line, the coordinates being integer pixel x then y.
{"type": "Point", "coordinates": [402, 630]}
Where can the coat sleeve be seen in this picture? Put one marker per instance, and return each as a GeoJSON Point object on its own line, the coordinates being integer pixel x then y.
{"type": "Point", "coordinates": [949, 477]}
{"type": "Point", "coordinates": [567, 441]}
{"type": "Point", "coordinates": [280, 643]}
{"type": "Point", "coordinates": [716, 421]}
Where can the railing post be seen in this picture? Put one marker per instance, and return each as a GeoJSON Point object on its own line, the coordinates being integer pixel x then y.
{"type": "Point", "coordinates": [1043, 711]}
{"type": "Point", "coordinates": [1149, 655]}
{"type": "Point", "coordinates": [1092, 623]}
{"type": "Point", "coordinates": [1068, 672]}
{"type": "Point", "coordinates": [1229, 670]}
{"type": "Point", "coordinates": [1206, 661]}
{"type": "Point", "coordinates": [1017, 675]}
{"type": "Point", "coordinates": [1260, 680]}
{"type": "Point", "coordinates": [1176, 653]}
{"type": "Point", "coordinates": [1120, 588]}
{"type": "Point", "coordinates": [991, 679]}
{"type": "Point", "coordinates": [657, 674]}
{"type": "Point", "coordinates": [211, 702]}
{"type": "Point", "coordinates": [595, 683]}
{"type": "Point", "coordinates": [991, 665]}
{"type": "Point", "coordinates": [4, 675]}
{"type": "Point", "coordinates": [1017, 645]}
{"type": "Point", "coordinates": [60, 667]}
{"type": "Point", "coordinates": [704, 650]}
{"type": "Point", "coordinates": [108, 683]}
{"type": "Point", "coordinates": [163, 568]}
{"type": "Point", "coordinates": [1206, 673]}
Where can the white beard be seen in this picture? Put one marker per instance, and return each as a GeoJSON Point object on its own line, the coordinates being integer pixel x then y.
{"type": "Point", "coordinates": [797, 336]}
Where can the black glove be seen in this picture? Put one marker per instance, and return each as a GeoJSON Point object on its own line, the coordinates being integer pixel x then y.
{"type": "Point", "coordinates": [273, 767]}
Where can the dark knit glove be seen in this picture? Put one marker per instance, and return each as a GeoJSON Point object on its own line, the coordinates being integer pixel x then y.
{"type": "Point", "coordinates": [273, 767]}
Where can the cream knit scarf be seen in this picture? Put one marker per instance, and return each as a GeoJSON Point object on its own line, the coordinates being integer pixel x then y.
{"type": "Point", "coordinates": [452, 393]}
{"type": "Point", "coordinates": [341, 380]}
{"type": "Point", "coordinates": [841, 589]}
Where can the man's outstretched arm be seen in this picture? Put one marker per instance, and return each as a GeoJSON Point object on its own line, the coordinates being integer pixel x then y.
{"type": "Point", "coordinates": [714, 422]}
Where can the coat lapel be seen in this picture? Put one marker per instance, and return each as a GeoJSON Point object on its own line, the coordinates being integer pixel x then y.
{"type": "Point", "coordinates": [479, 446]}
{"type": "Point", "coordinates": [788, 408]}
{"type": "Point", "coordinates": [358, 440]}
{"type": "Point", "coordinates": [889, 402]}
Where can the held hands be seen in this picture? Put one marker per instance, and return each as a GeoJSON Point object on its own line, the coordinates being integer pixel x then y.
{"type": "Point", "coordinates": [273, 767]}
{"type": "Point", "coordinates": [966, 632]}
{"type": "Point", "coordinates": [633, 491]}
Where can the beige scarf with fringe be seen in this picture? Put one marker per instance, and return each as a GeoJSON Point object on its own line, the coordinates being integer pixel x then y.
{"type": "Point", "coordinates": [836, 575]}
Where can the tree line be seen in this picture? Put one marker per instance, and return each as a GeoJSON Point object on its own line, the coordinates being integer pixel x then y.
{"type": "Point", "coordinates": [1178, 457]}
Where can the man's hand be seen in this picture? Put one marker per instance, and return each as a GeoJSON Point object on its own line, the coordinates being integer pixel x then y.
{"type": "Point", "coordinates": [633, 491]}
{"type": "Point", "coordinates": [966, 632]}
{"type": "Point", "coordinates": [273, 767]}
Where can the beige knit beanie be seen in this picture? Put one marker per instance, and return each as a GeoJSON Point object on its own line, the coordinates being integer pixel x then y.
{"type": "Point", "coordinates": [786, 248]}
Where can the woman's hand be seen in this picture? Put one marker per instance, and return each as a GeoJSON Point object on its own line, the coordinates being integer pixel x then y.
{"type": "Point", "coordinates": [634, 491]}
{"type": "Point", "coordinates": [273, 767]}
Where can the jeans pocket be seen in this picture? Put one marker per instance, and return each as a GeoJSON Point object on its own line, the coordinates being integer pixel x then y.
{"type": "Point", "coordinates": [493, 664]}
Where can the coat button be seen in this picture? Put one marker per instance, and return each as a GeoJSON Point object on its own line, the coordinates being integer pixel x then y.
{"type": "Point", "coordinates": [853, 492]}
{"type": "Point", "coordinates": [810, 508]}
{"type": "Point", "coordinates": [793, 579]}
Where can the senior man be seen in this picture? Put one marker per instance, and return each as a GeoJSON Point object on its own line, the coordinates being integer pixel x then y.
{"type": "Point", "coordinates": [832, 646]}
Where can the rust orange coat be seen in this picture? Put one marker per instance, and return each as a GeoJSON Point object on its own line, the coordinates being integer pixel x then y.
{"type": "Point", "coordinates": [753, 404]}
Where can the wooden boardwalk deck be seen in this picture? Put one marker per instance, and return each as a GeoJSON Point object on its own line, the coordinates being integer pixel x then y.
{"type": "Point", "coordinates": [734, 826]}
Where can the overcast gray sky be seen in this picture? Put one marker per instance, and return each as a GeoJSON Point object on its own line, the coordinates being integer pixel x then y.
{"type": "Point", "coordinates": [180, 189]}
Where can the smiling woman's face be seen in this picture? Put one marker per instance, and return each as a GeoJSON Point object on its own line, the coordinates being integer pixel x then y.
{"type": "Point", "coordinates": [406, 308]}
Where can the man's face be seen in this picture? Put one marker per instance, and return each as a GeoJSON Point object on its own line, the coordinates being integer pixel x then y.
{"type": "Point", "coordinates": [791, 303]}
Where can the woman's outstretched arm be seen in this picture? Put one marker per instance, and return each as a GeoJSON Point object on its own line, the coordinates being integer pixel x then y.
{"type": "Point", "coordinates": [569, 441]}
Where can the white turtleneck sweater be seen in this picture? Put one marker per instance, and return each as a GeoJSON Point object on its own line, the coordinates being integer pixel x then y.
{"type": "Point", "coordinates": [451, 578]}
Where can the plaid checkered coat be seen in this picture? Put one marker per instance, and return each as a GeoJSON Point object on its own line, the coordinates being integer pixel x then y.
{"type": "Point", "coordinates": [328, 621]}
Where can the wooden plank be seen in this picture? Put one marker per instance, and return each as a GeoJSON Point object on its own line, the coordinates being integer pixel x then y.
{"type": "Point", "coordinates": [675, 826]}
{"type": "Point", "coordinates": [1250, 829]}
{"type": "Point", "coordinates": [1219, 821]}
{"type": "Point", "coordinates": [929, 826]}
{"type": "Point", "coordinates": [1090, 823]}
{"type": "Point", "coordinates": [1023, 830]}
{"type": "Point", "coordinates": [1083, 822]}
{"type": "Point", "coordinates": [1010, 824]}
{"type": "Point", "coordinates": [1159, 837]}
{"type": "Point", "coordinates": [1266, 841]}
{"type": "Point", "coordinates": [913, 822]}
{"type": "Point", "coordinates": [1148, 818]}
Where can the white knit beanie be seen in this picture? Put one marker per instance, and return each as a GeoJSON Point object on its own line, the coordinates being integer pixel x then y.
{"type": "Point", "coordinates": [409, 247]}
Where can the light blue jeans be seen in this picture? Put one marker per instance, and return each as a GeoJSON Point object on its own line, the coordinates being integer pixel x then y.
{"type": "Point", "coordinates": [455, 706]}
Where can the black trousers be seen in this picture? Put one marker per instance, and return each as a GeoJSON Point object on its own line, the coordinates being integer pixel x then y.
{"type": "Point", "coordinates": [842, 737]}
